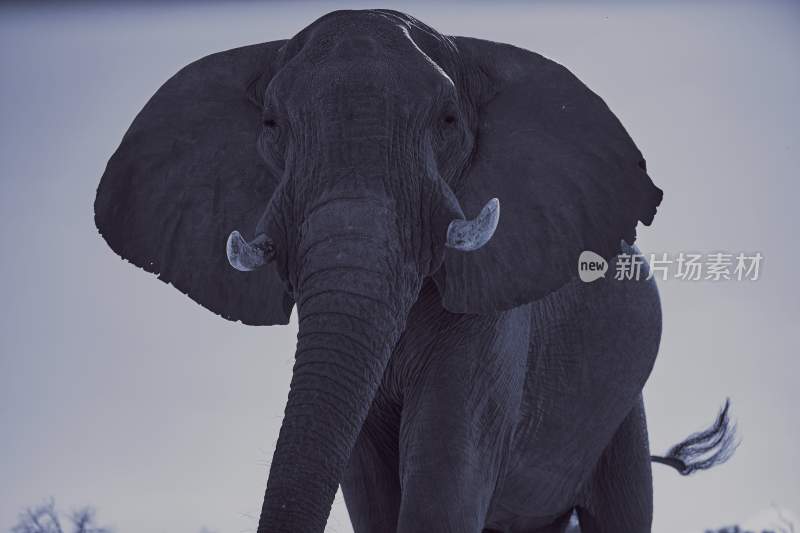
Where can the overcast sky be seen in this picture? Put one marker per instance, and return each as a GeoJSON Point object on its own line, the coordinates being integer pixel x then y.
{"type": "Point", "coordinates": [118, 391]}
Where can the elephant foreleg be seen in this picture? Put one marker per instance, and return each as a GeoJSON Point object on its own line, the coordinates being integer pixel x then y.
{"type": "Point", "coordinates": [457, 420]}
{"type": "Point", "coordinates": [619, 495]}
{"type": "Point", "coordinates": [371, 485]}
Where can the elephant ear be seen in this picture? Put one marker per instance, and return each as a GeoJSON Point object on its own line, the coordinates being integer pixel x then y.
{"type": "Point", "coordinates": [187, 173]}
{"type": "Point", "coordinates": [568, 177]}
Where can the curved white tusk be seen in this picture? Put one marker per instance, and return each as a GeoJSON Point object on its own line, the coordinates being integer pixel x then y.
{"type": "Point", "coordinates": [245, 256]}
{"type": "Point", "coordinates": [469, 235]}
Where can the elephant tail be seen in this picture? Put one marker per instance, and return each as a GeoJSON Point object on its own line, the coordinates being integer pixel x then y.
{"type": "Point", "coordinates": [704, 449]}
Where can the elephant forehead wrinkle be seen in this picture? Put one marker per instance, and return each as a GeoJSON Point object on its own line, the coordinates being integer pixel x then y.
{"type": "Point", "coordinates": [370, 206]}
{"type": "Point", "coordinates": [426, 56]}
{"type": "Point", "coordinates": [353, 114]}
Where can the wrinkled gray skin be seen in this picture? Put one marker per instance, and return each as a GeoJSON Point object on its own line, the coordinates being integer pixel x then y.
{"type": "Point", "coordinates": [452, 377]}
{"type": "Point", "coordinates": [508, 421]}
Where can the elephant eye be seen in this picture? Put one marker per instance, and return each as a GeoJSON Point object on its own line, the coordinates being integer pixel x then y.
{"type": "Point", "coordinates": [270, 127]}
{"type": "Point", "coordinates": [450, 119]}
{"type": "Point", "coordinates": [268, 119]}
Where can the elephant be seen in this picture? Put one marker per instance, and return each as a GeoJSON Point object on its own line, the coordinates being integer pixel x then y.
{"type": "Point", "coordinates": [451, 372]}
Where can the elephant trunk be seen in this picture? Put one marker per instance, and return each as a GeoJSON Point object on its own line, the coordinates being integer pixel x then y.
{"type": "Point", "coordinates": [335, 378]}
{"type": "Point", "coordinates": [351, 308]}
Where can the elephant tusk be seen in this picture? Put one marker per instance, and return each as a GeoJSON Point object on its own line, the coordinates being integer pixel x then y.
{"type": "Point", "coordinates": [246, 256]}
{"type": "Point", "coordinates": [469, 235]}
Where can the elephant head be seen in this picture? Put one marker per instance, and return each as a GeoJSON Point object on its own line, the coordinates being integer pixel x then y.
{"type": "Point", "coordinates": [347, 157]}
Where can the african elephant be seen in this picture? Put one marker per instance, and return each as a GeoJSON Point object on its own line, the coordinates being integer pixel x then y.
{"type": "Point", "coordinates": [451, 372]}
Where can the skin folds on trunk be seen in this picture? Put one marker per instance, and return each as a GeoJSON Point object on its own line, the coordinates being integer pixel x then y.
{"type": "Point", "coordinates": [350, 310]}
{"type": "Point", "coordinates": [336, 375]}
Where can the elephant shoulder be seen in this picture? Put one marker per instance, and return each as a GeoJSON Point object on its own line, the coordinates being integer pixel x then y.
{"type": "Point", "coordinates": [601, 327]}
{"type": "Point", "coordinates": [626, 295]}
{"type": "Point", "coordinates": [621, 322]}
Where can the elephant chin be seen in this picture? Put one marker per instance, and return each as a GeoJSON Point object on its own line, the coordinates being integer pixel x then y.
{"type": "Point", "coordinates": [246, 256]}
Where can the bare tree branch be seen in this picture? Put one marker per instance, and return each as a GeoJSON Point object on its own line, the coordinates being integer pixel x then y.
{"type": "Point", "coordinates": [44, 519]}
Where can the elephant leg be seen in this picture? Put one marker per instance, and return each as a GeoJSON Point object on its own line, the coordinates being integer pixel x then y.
{"type": "Point", "coordinates": [371, 484]}
{"type": "Point", "coordinates": [561, 524]}
{"type": "Point", "coordinates": [460, 405]}
{"type": "Point", "coordinates": [619, 495]}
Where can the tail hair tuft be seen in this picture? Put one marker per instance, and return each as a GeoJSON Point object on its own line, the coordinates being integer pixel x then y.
{"type": "Point", "coordinates": [704, 449]}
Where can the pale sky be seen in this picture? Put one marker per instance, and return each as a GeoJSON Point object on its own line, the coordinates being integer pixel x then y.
{"type": "Point", "coordinates": [118, 391]}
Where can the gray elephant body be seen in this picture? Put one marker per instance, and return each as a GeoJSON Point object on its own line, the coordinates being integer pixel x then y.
{"type": "Point", "coordinates": [512, 412]}
{"type": "Point", "coordinates": [450, 372]}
